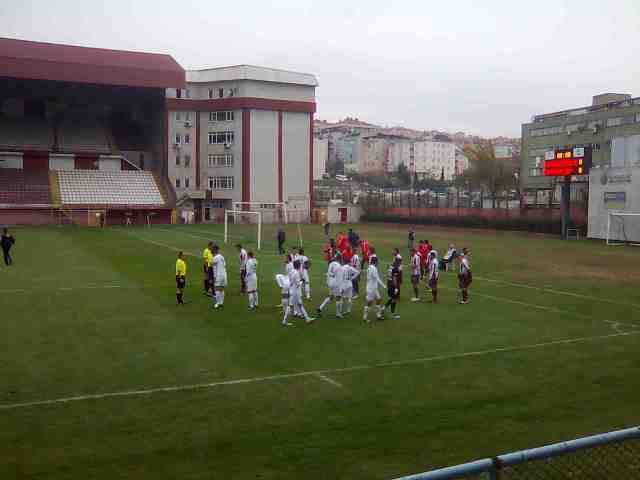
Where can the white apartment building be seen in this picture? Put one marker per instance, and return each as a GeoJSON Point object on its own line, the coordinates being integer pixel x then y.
{"type": "Point", "coordinates": [427, 158]}
{"type": "Point", "coordinates": [241, 134]}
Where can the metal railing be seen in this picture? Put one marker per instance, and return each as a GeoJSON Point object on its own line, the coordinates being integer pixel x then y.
{"type": "Point", "coordinates": [609, 456]}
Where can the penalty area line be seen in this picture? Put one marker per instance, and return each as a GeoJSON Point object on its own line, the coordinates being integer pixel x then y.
{"type": "Point", "coordinates": [317, 373]}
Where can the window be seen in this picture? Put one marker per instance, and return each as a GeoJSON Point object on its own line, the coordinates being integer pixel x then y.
{"type": "Point", "coordinates": [177, 160]}
{"type": "Point", "coordinates": [178, 93]}
{"type": "Point", "coordinates": [187, 93]}
{"type": "Point", "coordinates": [211, 93]}
{"type": "Point", "coordinates": [221, 183]}
{"type": "Point", "coordinates": [177, 183]}
{"type": "Point", "coordinates": [222, 116]}
{"type": "Point", "coordinates": [187, 161]}
{"type": "Point", "coordinates": [221, 160]}
{"type": "Point", "coordinates": [220, 138]}
{"type": "Point", "coordinates": [187, 116]}
{"type": "Point", "coordinates": [186, 182]}
{"type": "Point", "coordinates": [220, 92]}
{"type": "Point", "coordinates": [614, 122]}
{"type": "Point", "coordinates": [535, 172]}
{"type": "Point", "coordinates": [187, 139]}
{"type": "Point", "coordinates": [178, 139]}
{"type": "Point", "coordinates": [178, 116]}
{"type": "Point", "coordinates": [217, 203]}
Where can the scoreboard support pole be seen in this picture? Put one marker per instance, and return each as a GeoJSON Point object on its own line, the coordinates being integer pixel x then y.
{"type": "Point", "coordinates": [565, 206]}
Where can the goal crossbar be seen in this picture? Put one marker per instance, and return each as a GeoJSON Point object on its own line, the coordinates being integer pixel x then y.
{"type": "Point", "coordinates": [237, 213]}
{"type": "Point", "coordinates": [263, 206]}
{"type": "Point", "coordinates": [615, 241]}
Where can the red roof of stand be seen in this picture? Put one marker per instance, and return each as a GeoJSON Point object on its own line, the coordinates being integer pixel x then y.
{"type": "Point", "coordinates": [69, 63]}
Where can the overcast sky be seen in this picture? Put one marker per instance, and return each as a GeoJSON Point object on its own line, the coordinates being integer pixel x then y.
{"type": "Point", "coordinates": [481, 66]}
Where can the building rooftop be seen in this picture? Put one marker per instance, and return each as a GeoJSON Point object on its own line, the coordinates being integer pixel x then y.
{"type": "Point", "coordinates": [70, 63]}
{"type": "Point", "coordinates": [251, 72]}
{"type": "Point", "coordinates": [626, 102]}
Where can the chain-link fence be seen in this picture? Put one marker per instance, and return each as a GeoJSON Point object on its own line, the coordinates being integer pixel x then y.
{"type": "Point", "coordinates": [610, 456]}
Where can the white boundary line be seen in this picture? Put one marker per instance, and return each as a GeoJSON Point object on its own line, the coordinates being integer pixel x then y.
{"type": "Point", "coordinates": [317, 373]}
{"type": "Point", "coordinates": [560, 292]}
{"type": "Point", "coordinates": [330, 381]}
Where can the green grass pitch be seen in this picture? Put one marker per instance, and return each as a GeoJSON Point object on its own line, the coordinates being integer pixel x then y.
{"type": "Point", "coordinates": [547, 350]}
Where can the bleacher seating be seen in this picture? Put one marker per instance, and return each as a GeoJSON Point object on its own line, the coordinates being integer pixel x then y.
{"type": "Point", "coordinates": [91, 187]}
{"type": "Point", "coordinates": [82, 134]}
{"type": "Point", "coordinates": [26, 133]}
{"type": "Point", "coordinates": [24, 187]}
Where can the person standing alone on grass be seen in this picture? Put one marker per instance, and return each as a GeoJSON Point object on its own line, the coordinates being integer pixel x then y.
{"type": "Point", "coordinates": [207, 258]}
{"type": "Point", "coordinates": [411, 239]}
{"type": "Point", "coordinates": [242, 260]}
{"type": "Point", "coordinates": [251, 279]}
{"type": "Point", "coordinates": [393, 289]}
{"type": "Point", "coordinates": [219, 277]}
{"type": "Point", "coordinates": [326, 227]}
{"type": "Point", "coordinates": [181, 278]}
{"type": "Point", "coordinates": [464, 276]}
{"type": "Point", "coordinates": [7, 242]}
{"type": "Point", "coordinates": [281, 237]}
{"type": "Point", "coordinates": [433, 273]}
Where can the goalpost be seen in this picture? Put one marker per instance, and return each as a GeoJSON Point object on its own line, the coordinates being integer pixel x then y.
{"type": "Point", "coordinates": [257, 216]}
{"type": "Point", "coordinates": [275, 212]}
{"type": "Point", "coordinates": [622, 229]}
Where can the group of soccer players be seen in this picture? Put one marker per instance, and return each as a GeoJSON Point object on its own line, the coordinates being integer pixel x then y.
{"type": "Point", "coordinates": [345, 267]}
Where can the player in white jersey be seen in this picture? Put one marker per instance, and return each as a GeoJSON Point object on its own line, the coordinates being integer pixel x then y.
{"type": "Point", "coordinates": [288, 269]}
{"type": "Point", "coordinates": [373, 294]}
{"type": "Point", "coordinates": [283, 284]}
{"type": "Point", "coordinates": [242, 262]}
{"type": "Point", "coordinates": [432, 275]}
{"type": "Point", "coordinates": [415, 274]}
{"type": "Point", "coordinates": [251, 279]}
{"type": "Point", "coordinates": [355, 263]}
{"type": "Point", "coordinates": [295, 293]}
{"type": "Point", "coordinates": [347, 275]}
{"type": "Point", "coordinates": [219, 276]}
{"type": "Point", "coordinates": [464, 276]}
{"type": "Point", "coordinates": [305, 265]}
{"type": "Point", "coordinates": [333, 274]}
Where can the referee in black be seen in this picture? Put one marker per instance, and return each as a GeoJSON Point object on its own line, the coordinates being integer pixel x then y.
{"type": "Point", "coordinates": [7, 242]}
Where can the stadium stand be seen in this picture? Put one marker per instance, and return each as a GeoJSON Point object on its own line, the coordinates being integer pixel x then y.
{"type": "Point", "coordinates": [90, 187]}
{"type": "Point", "coordinates": [26, 133]}
{"type": "Point", "coordinates": [24, 187]}
{"type": "Point", "coordinates": [84, 134]}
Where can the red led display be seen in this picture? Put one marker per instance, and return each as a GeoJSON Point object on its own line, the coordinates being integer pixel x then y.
{"type": "Point", "coordinates": [565, 163]}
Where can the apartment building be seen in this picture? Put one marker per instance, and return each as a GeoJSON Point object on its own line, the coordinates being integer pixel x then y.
{"type": "Point", "coordinates": [241, 134]}
{"type": "Point", "coordinates": [610, 125]}
{"type": "Point", "coordinates": [427, 158]}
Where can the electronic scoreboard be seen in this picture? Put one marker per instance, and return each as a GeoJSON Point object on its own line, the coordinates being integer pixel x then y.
{"type": "Point", "coordinates": [567, 161]}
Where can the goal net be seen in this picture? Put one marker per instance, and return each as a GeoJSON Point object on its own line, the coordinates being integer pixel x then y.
{"type": "Point", "coordinates": [243, 226]}
{"type": "Point", "coordinates": [271, 212]}
{"type": "Point", "coordinates": [623, 228]}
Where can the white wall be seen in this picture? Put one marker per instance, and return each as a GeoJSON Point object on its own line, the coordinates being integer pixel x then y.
{"type": "Point", "coordinates": [295, 153]}
{"type": "Point", "coordinates": [276, 91]}
{"type": "Point", "coordinates": [320, 156]}
{"type": "Point", "coordinates": [614, 180]}
{"type": "Point", "coordinates": [264, 156]}
{"type": "Point", "coordinates": [354, 212]}
{"type": "Point", "coordinates": [11, 160]}
{"type": "Point", "coordinates": [62, 162]}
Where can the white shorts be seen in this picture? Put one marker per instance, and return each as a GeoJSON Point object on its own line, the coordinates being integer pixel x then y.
{"type": "Point", "coordinates": [373, 295]}
{"type": "Point", "coordinates": [347, 292]}
{"type": "Point", "coordinates": [252, 283]}
{"type": "Point", "coordinates": [295, 298]}
{"type": "Point", "coordinates": [220, 281]}
{"type": "Point", "coordinates": [305, 276]}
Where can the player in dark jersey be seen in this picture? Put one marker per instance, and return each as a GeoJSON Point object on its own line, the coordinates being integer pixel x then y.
{"type": "Point", "coordinates": [393, 289]}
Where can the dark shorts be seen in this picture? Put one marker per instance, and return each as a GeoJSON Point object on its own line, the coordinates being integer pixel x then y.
{"type": "Point", "coordinates": [210, 274]}
{"type": "Point", "coordinates": [391, 291]}
{"type": "Point", "coordinates": [464, 280]}
{"type": "Point", "coordinates": [181, 282]}
{"type": "Point", "coordinates": [205, 269]}
{"type": "Point", "coordinates": [433, 283]}
{"type": "Point", "coordinates": [415, 279]}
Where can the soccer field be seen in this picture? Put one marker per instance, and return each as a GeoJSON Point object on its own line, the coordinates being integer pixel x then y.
{"type": "Point", "coordinates": [104, 377]}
